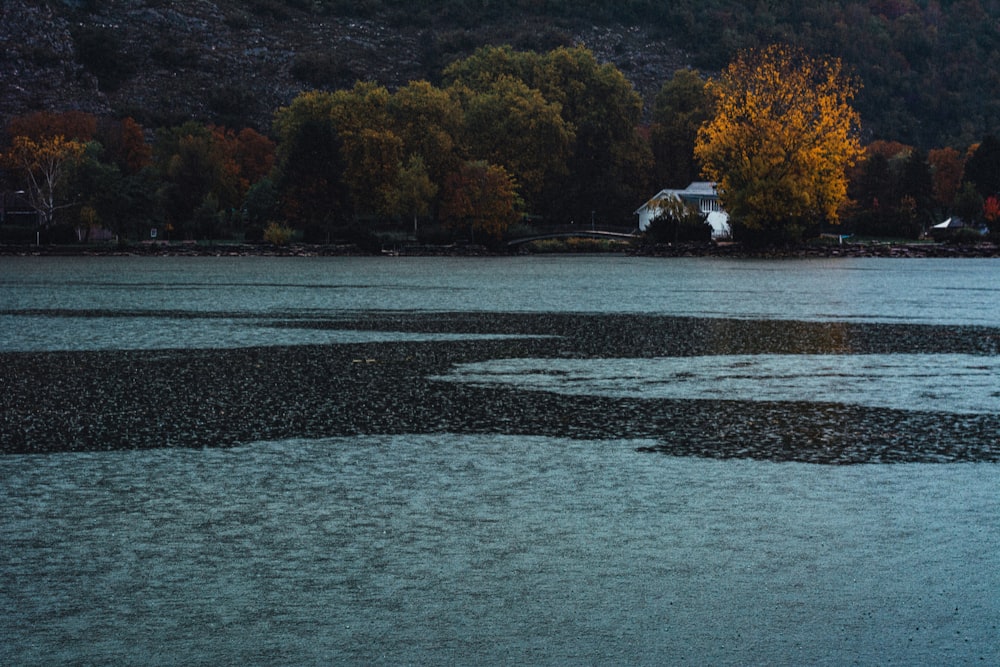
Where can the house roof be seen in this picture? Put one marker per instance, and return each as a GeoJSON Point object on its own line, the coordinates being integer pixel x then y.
{"type": "Point", "coordinates": [702, 189]}
{"type": "Point", "coordinates": [951, 223]}
{"type": "Point", "coordinates": [696, 190]}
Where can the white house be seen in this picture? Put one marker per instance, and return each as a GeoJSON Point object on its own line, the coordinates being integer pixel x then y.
{"type": "Point", "coordinates": [702, 194]}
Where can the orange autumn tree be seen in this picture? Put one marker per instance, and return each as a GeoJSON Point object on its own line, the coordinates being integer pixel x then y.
{"type": "Point", "coordinates": [481, 197]}
{"type": "Point", "coordinates": [124, 144]}
{"type": "Point", "coordinates": [946, 165]}
{"type": "Point", "coordinates": [783, 135]}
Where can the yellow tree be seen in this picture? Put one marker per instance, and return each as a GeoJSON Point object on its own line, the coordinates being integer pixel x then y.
{"type": "Point", "coordinates": [429, 121]}
{"type": "Point", "coordinates": [44, 163]}
{"type": "Point", "coordinates": [358, 121]}
{"type": "Point", "coordinates": [783, 135]}
{"type": "Point", "coordinates": [372, 152]}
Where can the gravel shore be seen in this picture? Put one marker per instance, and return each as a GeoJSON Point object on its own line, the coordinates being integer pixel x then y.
{"type": "Point", "coordinates": [80, 401]}
{"type": "Point", "coordinates": [731, 250]}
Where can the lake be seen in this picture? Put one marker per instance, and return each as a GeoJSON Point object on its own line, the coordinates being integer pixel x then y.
{"type": "Point", "coordinates": [525, 460]}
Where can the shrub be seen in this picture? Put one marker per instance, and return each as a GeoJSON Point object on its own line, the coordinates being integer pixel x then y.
{"type": "Point", "coordinates": [436, 235]}
{"type": "Point", "coordinates": [278, 234]}
{"type": "Point", "coordinates": [679, 223]}
{"type": "Point", "coordinates": [964, 236]}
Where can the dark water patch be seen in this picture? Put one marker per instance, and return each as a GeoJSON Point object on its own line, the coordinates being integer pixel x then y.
{"type": "Point", "coordinates": [640, 335]}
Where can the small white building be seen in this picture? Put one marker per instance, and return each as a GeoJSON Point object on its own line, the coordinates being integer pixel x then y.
{"type": "Point", "coordinates": [701, 194]}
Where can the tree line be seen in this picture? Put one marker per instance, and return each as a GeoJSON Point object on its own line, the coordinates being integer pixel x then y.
{"type": "Point", "coordinates": [507, 135]}
{"type": "Point", "coordinates": [929, 66]}
{"type": "Point", "coordinates": [507, 138]}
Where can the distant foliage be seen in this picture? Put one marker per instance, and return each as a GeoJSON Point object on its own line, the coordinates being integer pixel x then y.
{"type": "Point", "coordinates": [482, 198]}
{"type": "Point", "coordinates": [506, 136]}
{"type": "Point", "coordinates": [48, 124]}
{"type": "Point", "coordinates": [983, 167]}
{"type": "Point", "coordinates": [589, 159]}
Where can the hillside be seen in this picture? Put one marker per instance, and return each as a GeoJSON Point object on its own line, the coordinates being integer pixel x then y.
{"type": "Point", "coordinates": [931, 70]}
{"type": "Point", "coordinates": [235, 63]}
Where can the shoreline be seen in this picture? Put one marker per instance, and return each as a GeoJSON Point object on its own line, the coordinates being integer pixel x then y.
{"type": "Point", "coordinates": [723, 250]}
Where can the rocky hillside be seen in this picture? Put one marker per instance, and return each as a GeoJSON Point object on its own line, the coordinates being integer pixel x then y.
{"type": "Point", "coordinates": [163, 62]}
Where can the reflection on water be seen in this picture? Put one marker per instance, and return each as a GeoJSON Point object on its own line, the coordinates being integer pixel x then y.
{"type": "Point", "coordinates": [484, 550]}
{"type": "Point", "coordinates": [959, 383]}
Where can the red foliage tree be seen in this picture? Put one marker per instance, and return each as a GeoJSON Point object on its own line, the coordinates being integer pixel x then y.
{"type": "Point", "coordinates": [74, 125]}
{"type": "Point", "coordinates": [991, 209]}
{"type": "Point", "coordinates": [946, 174]}
{"type": "Point", "coordinates": [125, 144]}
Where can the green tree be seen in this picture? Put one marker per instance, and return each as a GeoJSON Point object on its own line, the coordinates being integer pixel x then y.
{"type": "Point", "coordinates": [917, 184]}
{"type": "Point", "coordinates": [189, 171]}
{"type": "Point", "coordinates": [608, 163]}
{"type": "Point", "coordinates": [372, 152]}
{"type": "Point", "coordinates": [342, 144]}
{"type": "Point", "coordinates": [414, 191]}
{"type": "Point", "coordinates": [206, 171]}
{"type": "Point", "coordinates": [983, 167]}
{"type": "Point", "coordinates": [511, 125]}
{"type": "Point", "coordinates": [783, 135]}
{"type": "Point", "coordinates": [681, 107]}
{"type": "Point", "coordinates": [969, 203]}
{"type": "Point", "coordinates": [309, 174]}
{"type": "Point", "coordinates": [261, 207]}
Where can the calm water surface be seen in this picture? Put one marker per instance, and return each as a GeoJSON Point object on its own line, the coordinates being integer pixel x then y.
{"type": "Point", "coordinates": [936, 291]}
{"type": "Point", "coordinates": [480, 549]}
